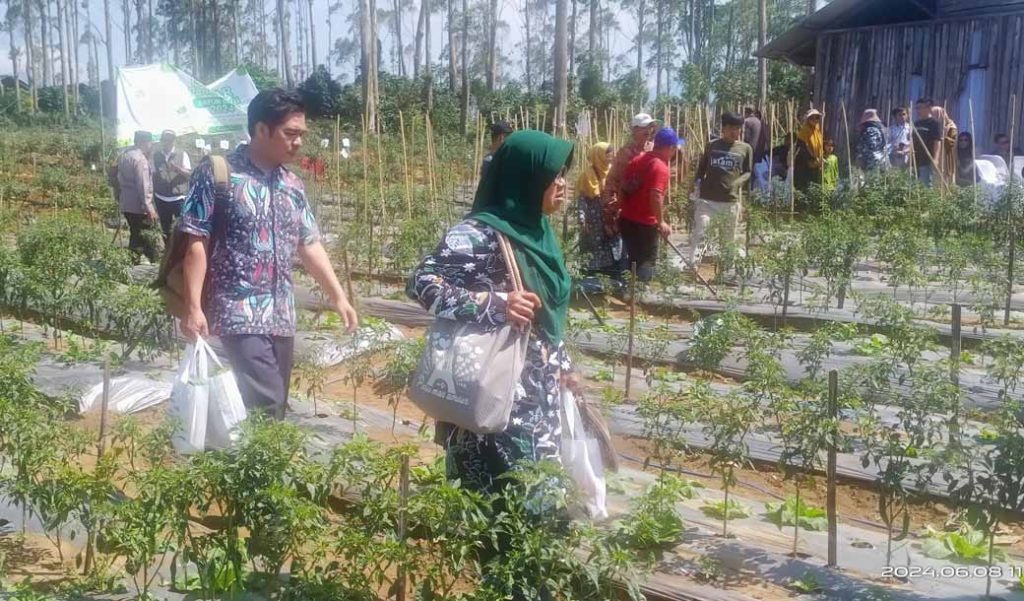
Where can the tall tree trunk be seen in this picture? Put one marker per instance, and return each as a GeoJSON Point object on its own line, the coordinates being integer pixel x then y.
{"type": "Point", "coordinates": [429, 61]}
{"type": "Point", "coordinates": [465, 67]}
{"type": "Point", "coordinates": [452, 49]}
{"type": "Point", "coordinates": [283, 32]}
{"type": "Point", "coordinates": [658, 47]}
{"type": "Point", "coordinates": [561, 54]}
{"type": "Point", "coordinates": [572, 44]}
{"type": "Point", "coordinates": [399, 45]}
{"type": "Point", "coordinates": [264, 47]}
{"type": "Point", "coordinates": [45, 42]}
{"type": "Point", "coordinates": [64, 62]}
{"type": "Point", "coordinates": [218, 57]}
{"type": "Point", "coordinates": [126, 15]}
{"type": "Point", "coordinates": [76, 71]}
{"type": "Point", "coordinates": [492, 45]}
{"type": "Point", "coordinates": [592, 34]}
{"type": "Point", "coordinates": [151, 33]}
{"type": "Point", "coordinates": [30, 63]}
{"type": "Point", "coordinates": [14, 58]}
{"type": "Point", "coordinates": [417, 51]}
{"type": "Point", "coordinates": [641, 13]}
{"type": "Point", "coordinates": [140, 31]}
{"type": "Point", "coordinates": [527, 26]}
{"type": "Point", "coordinates": [368, 62]}
{"type": "Point", "coordinates": [108, 41]}
{"type": "Point", "coordinates": [762, 63]}
{"type": "Point", "coordinates": [312, 36]}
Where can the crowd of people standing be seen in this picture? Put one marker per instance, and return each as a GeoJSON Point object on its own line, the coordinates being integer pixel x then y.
{"type": "Point", "coordinates": [930, 145]}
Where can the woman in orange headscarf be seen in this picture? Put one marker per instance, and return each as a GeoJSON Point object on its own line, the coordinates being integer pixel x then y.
{"type": "Point", "coordinates": [810, 152]}
{"type": "Point", "coordinates": [602, 248]}
{"type": "Point", "coordinates": [947, 149]}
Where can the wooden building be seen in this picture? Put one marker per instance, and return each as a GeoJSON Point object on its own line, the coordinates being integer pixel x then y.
{"type": "Point", "coordinates": [967, 55]}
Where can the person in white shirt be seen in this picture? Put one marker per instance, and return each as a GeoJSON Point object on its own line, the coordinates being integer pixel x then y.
{"type": "Point", "coordinates": [899, 139]}
{"type": "Point", "coordinates": [171, 170]}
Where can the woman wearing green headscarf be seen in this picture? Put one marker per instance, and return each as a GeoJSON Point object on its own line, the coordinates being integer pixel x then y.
{"type": "Point", "coordinates": [466, 279]}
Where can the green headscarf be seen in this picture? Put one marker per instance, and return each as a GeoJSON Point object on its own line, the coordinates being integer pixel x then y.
{"type": "Point", "coordinates": [510, 199]}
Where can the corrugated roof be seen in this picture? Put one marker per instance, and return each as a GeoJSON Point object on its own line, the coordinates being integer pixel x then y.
{"type": "Point", "coordinates": [798, 43]}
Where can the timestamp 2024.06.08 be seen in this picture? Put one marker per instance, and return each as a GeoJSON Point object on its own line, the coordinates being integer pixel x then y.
{"type": "Point", "coordinates": [952, 571]}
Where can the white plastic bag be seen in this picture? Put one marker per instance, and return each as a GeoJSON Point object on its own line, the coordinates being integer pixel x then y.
{"type": "Point", "coordinates": [226, 411]}
{"type": "Point", "coordinates": [581, 458]}
{"type": "Point", "coordinates": [190, 397]}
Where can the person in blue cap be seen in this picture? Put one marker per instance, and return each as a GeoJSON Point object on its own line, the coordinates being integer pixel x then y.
{"type": "Point", "coordinates": [644, 186]}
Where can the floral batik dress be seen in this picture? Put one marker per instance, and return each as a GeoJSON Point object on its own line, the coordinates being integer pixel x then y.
{"type": "Point", "coordinates": [602, 249]}
{"type": "Point", "coordinates": [466, 279]}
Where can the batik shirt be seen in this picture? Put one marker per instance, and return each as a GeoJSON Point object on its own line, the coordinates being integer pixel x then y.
{"type": "Point", "coordinates": [254, 232]}
{"type": "Point", "coordinates": [466, 279]}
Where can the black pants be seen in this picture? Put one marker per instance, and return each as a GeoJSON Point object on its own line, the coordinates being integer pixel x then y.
{"type": "Point", "coordinates": [263, 369]}
{"type": "Point", "coordinates": [140, 240]}
{"type": "Point", "coordinates": [641, 242]}
{"type": "Point", "coordinates": [168, 212]}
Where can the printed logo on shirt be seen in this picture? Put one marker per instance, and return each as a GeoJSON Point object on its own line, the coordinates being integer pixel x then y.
{"type": "Point", "coordinates": [726, 161]}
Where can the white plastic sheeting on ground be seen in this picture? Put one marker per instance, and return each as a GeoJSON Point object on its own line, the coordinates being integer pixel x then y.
{"type": "Point", "coordinates": [128, 394]}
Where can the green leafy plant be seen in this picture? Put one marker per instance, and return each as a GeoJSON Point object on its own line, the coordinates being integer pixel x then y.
{"type": "Point", "coordinates": [725, 510]}
{"type": "Point", "coordinates": [790, 513]}
{"type": "Point", "coordinates": [966, 544]}
{"type": "Point", "coordinates": [653, 524]}
{"type": "Point", "coordinates": [807, 584]}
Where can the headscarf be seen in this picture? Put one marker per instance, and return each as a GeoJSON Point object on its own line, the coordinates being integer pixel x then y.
{"type": "Point", "coordinates": [940, 115]}
{"type": "Point", "coordinates": [510, 200]}
{"type": "Point", "coordinates": [592, 178]}
{"type": "Point", "coordinates": [870, 116]}
{"type": "Point", "coordinates": [811, 135]}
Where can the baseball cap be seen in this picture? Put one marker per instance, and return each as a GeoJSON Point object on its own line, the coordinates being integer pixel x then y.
{"type": "Point", "coordinates": [667, 136]}
{"type": "Point", "coordinates": [641, 120]}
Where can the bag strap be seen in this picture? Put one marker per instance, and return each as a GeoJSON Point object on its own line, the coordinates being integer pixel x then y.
{"type": "Point", "coordinates": [511, 262]}
{"type": "Point", "coordinates": [221, 175]}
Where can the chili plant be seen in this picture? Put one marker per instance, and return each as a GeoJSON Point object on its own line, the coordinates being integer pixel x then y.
{"type": "Point", "coordinates": [727, 421]}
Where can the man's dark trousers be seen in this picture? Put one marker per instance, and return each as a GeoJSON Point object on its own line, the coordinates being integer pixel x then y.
{"type": "Point", "coordinates": [263, 369]}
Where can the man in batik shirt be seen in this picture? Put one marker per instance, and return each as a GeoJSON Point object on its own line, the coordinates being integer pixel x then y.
{"type": "Point", "coordinates": [240, 249]}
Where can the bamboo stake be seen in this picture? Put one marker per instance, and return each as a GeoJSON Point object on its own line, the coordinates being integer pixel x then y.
{"type": "Point", "coordinates": [830, 501]}
{"type": "Point", "coordinates": [849, 153]}
{"type": "Point", "coordinates": [974, 147]}
{"type": "Point", "coordinates": [403, 501]}
{"type": "Point", "coordinates": [792, 158]}
{"type": "Point", "coordinates": [405, 167]}
{"type": "Point", "coordinates": [1010, 214]}
{"type": "Point", "coordinates": [337, 169]}
{"type": "Point", "coordinates": [632, 328]}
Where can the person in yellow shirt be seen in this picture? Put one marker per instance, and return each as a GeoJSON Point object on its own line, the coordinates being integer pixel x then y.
{"type": "Point", "coordinates": [830, 167]}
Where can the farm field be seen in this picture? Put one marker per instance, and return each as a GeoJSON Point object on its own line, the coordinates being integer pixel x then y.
{"type": "Point", "coordinates": [910, 296]}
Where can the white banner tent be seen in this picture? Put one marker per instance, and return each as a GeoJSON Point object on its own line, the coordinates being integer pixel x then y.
{"type": "Point", "coordinates": [161, 96]}
{"type": "Point", "coordinates": [237, 85]}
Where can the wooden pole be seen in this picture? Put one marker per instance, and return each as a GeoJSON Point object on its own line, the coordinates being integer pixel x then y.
{"type": "Point", "coordinates": [954, 374]}
{"type": "Point", "coordinates": [849, 153]}
{"type": "Point", "coordinates": [405, 167]}
{"type": "Point", "coordinates": [974, 147]}
{"type": "Point", "coordinates": [632, 328]}
{"type": "Point", "coordinates": [1011, 214]}
{"type": "Point", "coordinates": [101, 449]}
{"type": "Point", "coordinates": [403, 501]}
{"type": "Point", "coordinates": [833, 515]}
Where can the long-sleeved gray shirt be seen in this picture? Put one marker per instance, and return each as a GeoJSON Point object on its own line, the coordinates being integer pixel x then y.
{"type": "Point", "coordinates": [136, 181]}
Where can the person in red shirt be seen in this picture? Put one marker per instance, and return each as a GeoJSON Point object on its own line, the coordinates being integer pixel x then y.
{"type": "Point", "coordinates": [642, 220]}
